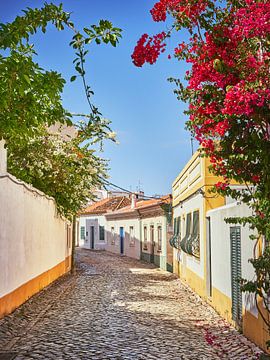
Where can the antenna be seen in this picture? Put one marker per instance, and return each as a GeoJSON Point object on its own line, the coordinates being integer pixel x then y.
{"type": "Point", "coordinates": [139, 186]}
{"type": "Point", "coordinates": [191, 143]}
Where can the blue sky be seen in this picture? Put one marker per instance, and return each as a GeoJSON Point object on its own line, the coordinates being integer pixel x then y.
{"type": "Point", "coordinates": [140, 102]}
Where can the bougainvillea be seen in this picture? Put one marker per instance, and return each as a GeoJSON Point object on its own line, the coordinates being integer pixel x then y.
{"type": "Point", "coordinates": [228, 91]}
{"type": "Point", "coordinates": [148, 49]}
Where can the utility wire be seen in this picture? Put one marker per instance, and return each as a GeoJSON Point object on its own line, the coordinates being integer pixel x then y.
{"type": "Point", "coordinates": [128, 191]}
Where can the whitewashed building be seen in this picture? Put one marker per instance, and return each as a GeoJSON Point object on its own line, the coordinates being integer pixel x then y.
{"type": "Point", "coordinates": [231, 248]}
{"type": "Point", "coordinates": [92, 222]}
{"type": "Point", "coordinates": [35, 242]}
{"type": "Point", "coordinates": [142, 231]}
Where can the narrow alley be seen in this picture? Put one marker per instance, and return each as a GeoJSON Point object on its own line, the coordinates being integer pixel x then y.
{"type": "Point", "coordinates": [119, 308]}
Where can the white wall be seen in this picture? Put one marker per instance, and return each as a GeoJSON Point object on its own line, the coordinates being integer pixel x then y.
{"type": "Point", "coordinates": [190, 205]}
{"type": "Point", "coordinates": [129, 250]}
{"type": "Point", "coordinates": [95, 220]}
{"type": "Point", "coordinates": [221, 251]}
{"type": "Point", "coordinates": [33, 238]}
{"type": "Point", "coordinates": [156, 221]}
{"type": "Point", "coordinates": [3, 158]}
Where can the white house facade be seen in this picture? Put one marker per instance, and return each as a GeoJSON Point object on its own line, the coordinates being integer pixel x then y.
{"type": "Point", "coordinates": [92, 222]}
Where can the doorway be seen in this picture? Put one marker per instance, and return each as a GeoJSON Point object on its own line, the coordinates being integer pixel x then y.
{"type": "Point", "coordinates": [152, 244]}
{"type": "Point", "coordinates": [92, 237]}
{"type": "Point", "coordinates": [121, 240]}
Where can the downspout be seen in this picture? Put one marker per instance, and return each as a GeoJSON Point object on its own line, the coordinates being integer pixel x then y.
{"type": "Point", "coordinates": [73, 267]}
{"type": "Point", "coordinates": [140, 222]}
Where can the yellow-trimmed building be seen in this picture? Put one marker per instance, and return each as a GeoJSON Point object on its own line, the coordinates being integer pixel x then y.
{"type": "Point", "coordinates": [191, 201]}
{"type": "Point", "coordinates": [210, 254]}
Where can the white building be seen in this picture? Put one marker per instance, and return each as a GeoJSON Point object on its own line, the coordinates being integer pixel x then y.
{"type": "Point", "coordinates": [92, 234]}
{"type": "Point", "coordinates": [142, 231]}
{"type": "Point", "coordinates": [35, 242]}
{"type": "Point", "coordinates": [231, 248]}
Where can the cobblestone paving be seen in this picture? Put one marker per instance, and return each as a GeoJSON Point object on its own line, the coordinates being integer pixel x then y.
{"type": "Point", "coordinates": [123, 309]}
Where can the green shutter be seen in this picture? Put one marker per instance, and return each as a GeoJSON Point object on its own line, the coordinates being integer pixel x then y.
{"type": "Point", "coordinates": [235, 236]}
{"type": "Point", "coordinates": [101, 233]}
{"type": "Point", "coordinates": [83, 232]}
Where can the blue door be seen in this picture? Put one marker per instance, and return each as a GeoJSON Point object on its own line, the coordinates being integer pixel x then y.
{"type": "Point", "coordinates": [121, 240]}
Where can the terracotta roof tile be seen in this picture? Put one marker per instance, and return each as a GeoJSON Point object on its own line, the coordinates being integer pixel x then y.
{"type": "Point", "coordinates": [105, 205]}
{"type": "Point", "coordinates": [166, 199]}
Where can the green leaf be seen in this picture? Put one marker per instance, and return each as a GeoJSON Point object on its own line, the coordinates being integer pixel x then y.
{"type": "Point", "coordinates": [27, 79]}
{"type": "Point", "coordinates": [73, 78]}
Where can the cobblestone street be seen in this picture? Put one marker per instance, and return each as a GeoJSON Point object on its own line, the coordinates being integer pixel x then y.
{"type": "Point", "coordinates": [119, 308]}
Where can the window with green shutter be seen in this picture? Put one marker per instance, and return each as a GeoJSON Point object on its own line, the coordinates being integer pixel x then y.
{"type": "Point", "coordinates": [101, 233]}
{"type": "Point", "coordinates": [236, 273]}
{"type": "Point", "coordinates": [82, 232]}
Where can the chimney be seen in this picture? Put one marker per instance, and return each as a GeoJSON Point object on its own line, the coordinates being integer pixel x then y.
{"type": "Point", "coordinates": [133, 201]}
{"type": "Point", "coordinates": [3, 158]}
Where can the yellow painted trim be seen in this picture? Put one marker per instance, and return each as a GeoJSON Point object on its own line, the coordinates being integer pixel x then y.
{"type": "Point", "coordinates": [194, 164]}
{"type": "Point", "coordinates": [255, 328]}
{"type": "Point", "coordinates": [192, 279]}
{"type": "Point", "coordinates": [11, 301]}
{"type": "Point", "coordinates": [222, 304]}
{"type": "Point", "coordinates": [182, 197]}
{"type": "Point", "coordinates": [195, 156]}
{"type": "Point", "coordinates": [195, 179]}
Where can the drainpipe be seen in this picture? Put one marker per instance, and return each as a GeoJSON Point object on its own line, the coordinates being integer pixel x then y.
{"type": "Point", "coordinates": [140, 222]}
{"type": "Point", "coordinates": [73, 265]}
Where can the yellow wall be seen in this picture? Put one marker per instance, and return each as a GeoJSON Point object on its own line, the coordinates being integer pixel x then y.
{"type": "Point", "coordinates": [204, 180]}
{"type": "Point", "coordinates": [193, 280]}
{"type": "Point", "coordinates": [11, 301]}
{"type": "Point", "coordinates": [222, 304]}
{"type": "Point", "coordinates": [253, 328]}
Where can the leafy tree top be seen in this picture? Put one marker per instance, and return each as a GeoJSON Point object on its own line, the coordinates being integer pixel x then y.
{"type": "Point", "coordinates": [30, 102]}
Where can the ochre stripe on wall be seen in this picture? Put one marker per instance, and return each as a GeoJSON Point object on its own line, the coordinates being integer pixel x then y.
{"type": "Point", "coordinates": [11, 301]}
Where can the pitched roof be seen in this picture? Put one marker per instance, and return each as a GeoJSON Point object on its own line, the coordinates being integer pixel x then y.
{"type": "Point", "coordinates": [105, 205]}
{"type": "Point", "coordinates": [144, 204]}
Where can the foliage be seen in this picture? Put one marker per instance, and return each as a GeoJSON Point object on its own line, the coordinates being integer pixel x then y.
{"type": "Point", "coordinates": [61, 168]}
{"type": "Point", "coordinates": [228, 91]}
{"type": "Point", "coordinates": [30, 101]}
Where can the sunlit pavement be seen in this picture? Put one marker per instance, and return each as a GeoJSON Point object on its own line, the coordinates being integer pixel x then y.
{"type": "Point", "coordinates": [119, 308]}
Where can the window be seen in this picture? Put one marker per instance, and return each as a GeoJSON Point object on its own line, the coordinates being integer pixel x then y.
{"type": "Point", "coordinates": [131, 236]}
{"type": "Point", "coordinates": [159, 229]}
{"type": "Point", "coordinates": [178, 226]}
{"type": "Point", "coordinates": [112, 236]}
{"type": "Point", "coordinates": [145, 237]}
{"type": "Point", "coordinates": [236, 272]}
{"type": "Point", "coordinates": [101, 233]}
{"type": "Point", "coordinates": [175, 240]}
{"type": "Point", "coordinates": [82, 232]}
{"type": "Point", "coordinates": [185, 239]}
{"type": "Point", "coordinates": [190, 244]}
{"type": "Point", "coordinates": [196, 234]}
{"type": "Point", "coordinates": [152, 235]}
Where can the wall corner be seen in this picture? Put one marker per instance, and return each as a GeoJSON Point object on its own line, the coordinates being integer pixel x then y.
{"type": "Point", "coordinates": [3, 158]}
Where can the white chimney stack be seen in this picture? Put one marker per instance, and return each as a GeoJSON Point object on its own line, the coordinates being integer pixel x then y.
{"type": "Point", "coordinates": [3, 158]}
{"type": "Point", "coordinates": [133, 201]}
